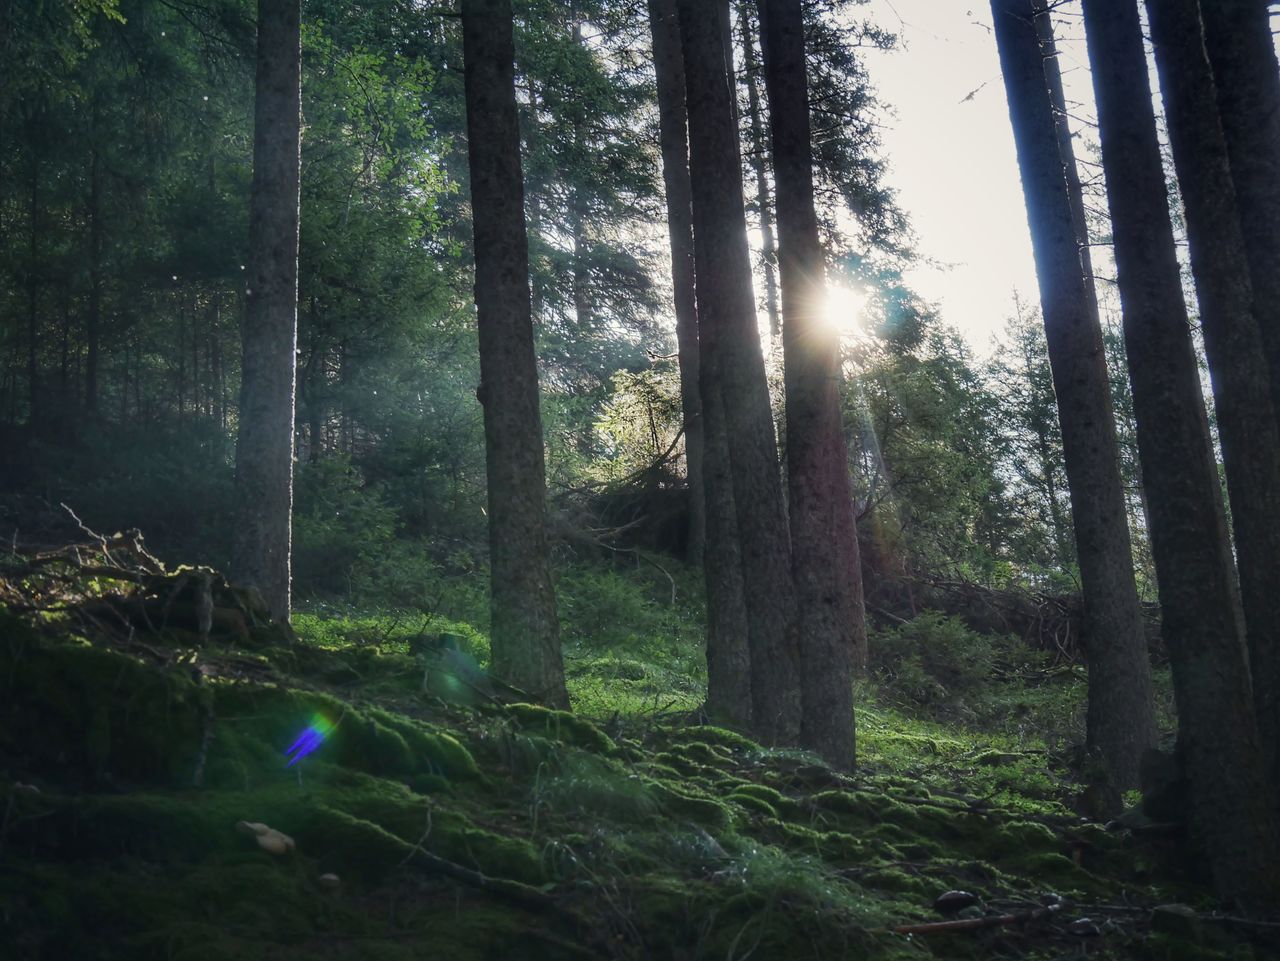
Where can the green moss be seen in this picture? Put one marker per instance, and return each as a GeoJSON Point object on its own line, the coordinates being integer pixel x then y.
{"type": "Point", "coordinates": [899, 882]}
{"type": "Point", "coordinates": [753, 804]}
{"type": "Point", "coordinates": [715, 737]}
{"type": "Point", "coordinates": [772, 796]}
{"type": "Point", "coordinates": [437, 751]}
{"type": "Point", "coordinates": [1021, 837]}
{"type": "Point", "coordinates": [496, 855]}
{"type": "Point", "coordinates": [589, 786]}
{"type": "Point", "coordinates": [703, 809]}
{"type": "Point", "coordinates": [562, 726]}
{"type": "Point", "coordinates": [70, 709]}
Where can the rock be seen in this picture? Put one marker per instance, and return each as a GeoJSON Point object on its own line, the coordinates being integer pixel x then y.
{"type": "Point", "coordinates": [1084, 928]}
{"type": "Point", "coordinates": [268, 838]}
{"type": "Point", "coordinates": [952, 901]}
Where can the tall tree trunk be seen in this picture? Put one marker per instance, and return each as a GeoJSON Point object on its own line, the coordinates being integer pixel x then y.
{"type": "Point", "coordinates": [180, 382]}
{"type": "Point", "coordinates": [197, 407]}
{"type": "Point", "coordinates": [759, 166]}
{"type": "Point", "coordinates": [93, 318]}
{"type": "Point", "coordinates": [733, 374]}
{"type": "Point", "coordinates": [33, 297]}
{"type": "Point", "coordinates": [219, 369]}
{"type": "Point", "coordinates": [1066, 143]}
{"type": "Point", "coordinates": [264, 444]}
{"type": "Point", "coordinates": [824, 542]}
{"type": "Point", "coordinates": [1232, 819]}
{"type": "Point", "coordinates": [673, 134]}
{"type": "Point", "coordinates": [1121, 716]}
{"type": "Point", "coordinates": [713, 535]}
{"type": "Point", "coordinates": [525, 633]}
{"type": "Point", "coordinates": [1233, 343]}
{"type": "Point", "coordinates": [1242, 53]}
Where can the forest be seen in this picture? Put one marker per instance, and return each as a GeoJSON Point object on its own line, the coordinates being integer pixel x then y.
{"type": "Point", "coordinates": [493, 479]}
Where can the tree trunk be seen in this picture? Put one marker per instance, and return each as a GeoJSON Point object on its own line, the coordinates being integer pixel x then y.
{"type": "Point", "coordinates": [1242, 53]}
{"type": "Point", "coordinates": [93, 318]}
{"type": "Point", "coordinates": [733, 373]}
{"type": "Point", "coordinates": [1200, 624]}
{"type": "Point", "coordinates": [1233, 344]}
{"type": "Point", "coordinates": [525, 634]}
{"type": "Point", "coordinates": [33, 297]}
{"type": "Point", "coordinates": [673, 133]}
{"type": "Point", "coordinates": [1066, 143]}
{"type": "Point", "coordinates": [1121, 716]}
{"type": "Point", "coordinates": [824, 541]}
{"type": "Point", "coordinates": [759, 165]}
{"type": "Point", "coordinates": [264, 444]}
{"type": "Point", "coordinates": [713, 536]}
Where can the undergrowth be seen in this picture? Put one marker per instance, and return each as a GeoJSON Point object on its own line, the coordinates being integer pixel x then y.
{"type": "Point", "coordinates": [436, 822]}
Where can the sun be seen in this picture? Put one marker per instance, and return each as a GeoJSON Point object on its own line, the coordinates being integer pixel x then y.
{"type": "Point", "coordinates": [844, 308]}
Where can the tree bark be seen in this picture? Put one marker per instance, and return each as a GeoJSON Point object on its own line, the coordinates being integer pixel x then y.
{"type": "Point", "coordinates": [1066, 144]}
{"type": "Point", "coordinates": [1200, 623]}
{"type": "Point", "coordinates": [759, 165]}
{"type": "Point", "coordinates": [33, 297]}
{"type": "Point", "coordinates": [1242, 53]}
{"type": "Point", "coordinates": [264, 444]}
{"type": "Point", "coordinates": [93, 319]}
{"type": "Point", "coordinates": [525, 634]}
{"type": "Point", "coordinates": [1233, 344]}
{"type": "Point", "coordinates": [824, 543]}
{"type": "Point", "coordinates": [733, 374]}
{"type": "Point", "coordinates": [1121, 716]}
{"type": "Point", "coordinates": [673, 134]}
{"type": "Point", "coordinates": [713, 534]}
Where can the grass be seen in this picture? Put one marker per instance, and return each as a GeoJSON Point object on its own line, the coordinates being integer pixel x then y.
{"type": "Point", "coordinates": [618, 831]}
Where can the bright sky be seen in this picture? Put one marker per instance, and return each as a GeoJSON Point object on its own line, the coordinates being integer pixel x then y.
{"type": "Point", "coordinates": [951, 157]}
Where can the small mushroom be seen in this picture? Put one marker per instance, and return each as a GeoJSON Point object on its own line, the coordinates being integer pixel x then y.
{"type": "Point", "coordinates": [329, 880]}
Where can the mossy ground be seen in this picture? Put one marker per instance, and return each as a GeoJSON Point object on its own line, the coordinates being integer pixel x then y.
{"type": "Point", "coordinates": [125, 767]}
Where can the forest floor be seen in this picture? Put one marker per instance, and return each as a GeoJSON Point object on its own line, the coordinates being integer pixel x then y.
{"type": "Point", "coordinates": [150, 809]}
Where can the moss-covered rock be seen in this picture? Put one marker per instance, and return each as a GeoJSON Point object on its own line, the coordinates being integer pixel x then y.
{"type": "Point", "coordinates": [699, 808]}
{"type": "Point", "coordinates": [562, 726]}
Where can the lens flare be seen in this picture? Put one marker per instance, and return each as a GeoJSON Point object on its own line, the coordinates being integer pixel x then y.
{"type": "Point", "coordinates": [310, 739]}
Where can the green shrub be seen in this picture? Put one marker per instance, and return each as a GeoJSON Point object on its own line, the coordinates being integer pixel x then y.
{"type": "Point", "coordinates": [937, 662]}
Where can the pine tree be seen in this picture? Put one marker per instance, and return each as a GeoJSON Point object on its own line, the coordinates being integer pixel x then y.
{"type": "Point", "coordinates": [1233, 343]}
{"type": "Point", "coordinates": [525, 632]}
{"type": "Point", "coordinates": [1121, 718]}
{"type": "Point", "coordinates": [713, 535]}
{"type": "Point", "coordinates": [1242, 53]}
{"type": "Point", "coordinates": [824, 538]}
{"type": "Point", "coordinates": [1199, 620]}
{"type": "Point", "coordinates": [264, 445]}
{"type": "Point", "coordinates": [733, 375]}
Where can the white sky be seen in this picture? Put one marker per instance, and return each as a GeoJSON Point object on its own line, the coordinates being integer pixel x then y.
{"type": "Point", "coordinates": [951, 156]}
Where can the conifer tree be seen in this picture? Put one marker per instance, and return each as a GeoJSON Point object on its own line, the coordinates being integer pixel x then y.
{"type": "Point", "coordinates": [1121, 718]}
{"type": "Point", "coordinates": [264, 444]}
{"type": "Point", "coordinates": [525, 634]}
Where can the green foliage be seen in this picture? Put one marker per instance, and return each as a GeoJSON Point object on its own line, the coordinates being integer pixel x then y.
{"type": "Point", "coordinates": [628, 649]}
{"type": "Point", "coordinates": [935, 660]}
{"type": "Point", "coordinates": [925, 455]}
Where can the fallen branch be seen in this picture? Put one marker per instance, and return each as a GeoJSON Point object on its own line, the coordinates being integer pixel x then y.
{"type": "Point", "coordinates": [976, 924]}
